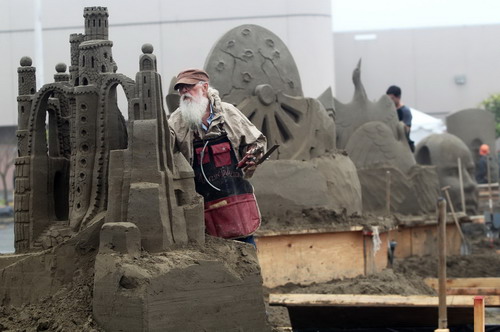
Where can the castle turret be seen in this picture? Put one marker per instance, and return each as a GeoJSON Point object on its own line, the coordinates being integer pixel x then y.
{"type": "Point", "coordinates": [149, 84]}
{"type": "Point", "coordinates": [149, 104]}
{"type": "Point", "coordinates": [75, 40]}
{"type": "Point", "coordinates": [27, 88]}
{"type": "Point", "coordinates": [94, 53]}
{"type": "Point", "coordinates": [95, 116]}
{"type": "Point", "coordinates": [27, 77]}
{"type": "Point", "coordinates": [61, 75]}
{"type": "Point", "coordinates": [96, 23]}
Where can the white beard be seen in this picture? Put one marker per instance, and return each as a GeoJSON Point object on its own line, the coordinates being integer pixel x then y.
{"type": "Point", "coordinates": [193, 108]}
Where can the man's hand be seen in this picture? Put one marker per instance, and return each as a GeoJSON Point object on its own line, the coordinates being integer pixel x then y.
{"type": "Point", "coordinates": [248, 162]}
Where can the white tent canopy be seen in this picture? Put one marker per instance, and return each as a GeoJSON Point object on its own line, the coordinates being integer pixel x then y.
{"type": "Point", "coordinates": [423, 125]}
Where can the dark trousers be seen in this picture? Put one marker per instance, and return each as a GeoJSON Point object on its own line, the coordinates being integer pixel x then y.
{"type": "Point", "coordinates": [249, 239]}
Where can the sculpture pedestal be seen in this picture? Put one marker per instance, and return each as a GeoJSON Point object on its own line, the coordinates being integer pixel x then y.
{"type": "Point", "coordinates": [217, 287]}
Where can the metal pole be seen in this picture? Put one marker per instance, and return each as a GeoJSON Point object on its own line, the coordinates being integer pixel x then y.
{"type": "Point", "coordinates": [455, 219]}
{"type": "Point", "coordinates": [443, 318]}
{"type": "Point", "coordinates": [490, 200]}
{"type": "Point", "coordinates": [461, 179]}
{"type": "Point", "coordinates": [388, 192]}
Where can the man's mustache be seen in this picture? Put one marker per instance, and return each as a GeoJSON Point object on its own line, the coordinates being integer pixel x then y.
{"type": "Point", "coordinates": [187, 95]}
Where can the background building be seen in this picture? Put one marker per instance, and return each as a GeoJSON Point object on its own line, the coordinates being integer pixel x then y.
{"type": "Point", "coordinates": [182, 35]}
{"type": "Point", "coordinates": [440, 70]}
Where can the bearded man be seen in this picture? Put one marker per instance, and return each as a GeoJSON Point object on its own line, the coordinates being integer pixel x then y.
{"type": "Point", "coordinates": [222, 146]}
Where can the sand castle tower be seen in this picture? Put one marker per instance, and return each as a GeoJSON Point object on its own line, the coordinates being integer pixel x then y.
{"type": "Point", "coordinates": [62, 172]}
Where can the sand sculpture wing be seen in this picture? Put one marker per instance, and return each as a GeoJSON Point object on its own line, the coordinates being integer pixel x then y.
{"type": "Point", "coordinates": [374, 144]}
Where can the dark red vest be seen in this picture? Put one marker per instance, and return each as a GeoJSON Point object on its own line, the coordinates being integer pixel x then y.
{"type": "Point", "coordinates": [231, 209]}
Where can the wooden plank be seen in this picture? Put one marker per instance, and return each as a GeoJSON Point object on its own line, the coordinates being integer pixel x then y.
{"type": "Point", "coordinates": [473, 291]}
{"type": "Point", "coordinates": [424, 240]}
{"type": "Point", "coordinates": [321, 300]}
{"type": "Point", "coordinates": [479, 314]}
{"type": "Point", "coordinates": [468, 286]}
{"type": "Point", "coordinates": [465, 282]}
{"type": "Point", "coordinates": [309, 231]}
{"type": "Point", "coordinates": [307, 258]}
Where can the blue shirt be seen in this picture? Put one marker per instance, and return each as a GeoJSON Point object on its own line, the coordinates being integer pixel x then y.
{"type": "Point", "coordinates": [404, 114]}
{"type": "Point", "coordinates": [209, 119]}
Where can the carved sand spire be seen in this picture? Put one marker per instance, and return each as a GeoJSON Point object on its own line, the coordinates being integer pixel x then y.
{"type": "Point", "coordinates": [375, 140]}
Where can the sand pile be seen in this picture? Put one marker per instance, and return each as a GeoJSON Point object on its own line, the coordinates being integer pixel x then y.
{"type": "Point", "coordinates": [70, 309]}
{"type": "Point", "coordinates": [475, 265]}
{"type": "Point", "coordinates": [318, 218]}
{"type": "Point", "coordinates": [385, 282]}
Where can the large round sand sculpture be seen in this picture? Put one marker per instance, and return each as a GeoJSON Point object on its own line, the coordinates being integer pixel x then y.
{"type": "Point", "coordinates": [253, 69]}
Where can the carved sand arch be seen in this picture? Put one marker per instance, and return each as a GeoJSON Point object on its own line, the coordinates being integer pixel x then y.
{"type": "Point", "coordinates": [47, 195]}
{"type": "Point", "coordinates": [104, 144]}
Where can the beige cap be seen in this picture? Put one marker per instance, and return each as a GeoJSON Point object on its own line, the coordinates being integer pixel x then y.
{"type": "Point", "coordinates": [191, 76]}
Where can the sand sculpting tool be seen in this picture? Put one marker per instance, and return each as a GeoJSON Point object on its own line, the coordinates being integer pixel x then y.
{"type": "Point", "coordinates": [443, 316]}
{"type": "Point", "coordinates": [267, 154]}
{"type": "Point", "coordinates": [455, 219]}
{"type": "Point", "coordinates": [388, 193]}
{"type": "Point", "coordinates": [254, 153]}
{"type": "Point", "coordinates": [490, 194]}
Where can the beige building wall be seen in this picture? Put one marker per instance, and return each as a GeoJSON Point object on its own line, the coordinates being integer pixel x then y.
{"type": "Point", "coordinates": [440, 70]}
{"type": "Point", "coordinates": [182, 34]}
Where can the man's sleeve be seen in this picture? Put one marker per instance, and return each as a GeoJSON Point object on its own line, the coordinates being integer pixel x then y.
{"type": "Point", "coordinates": [407, 117]}
{"type": "Point", "coordinates": [245, 130]}
{"type": "Point", "coordinates": [173, 125]}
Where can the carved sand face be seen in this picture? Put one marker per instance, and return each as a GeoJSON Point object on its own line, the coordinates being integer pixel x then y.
{"type": "Point", "coordinates": [443, 151]}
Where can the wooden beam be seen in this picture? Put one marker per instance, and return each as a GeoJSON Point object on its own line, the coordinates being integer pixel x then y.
{"type": "Point", "coordinates": [465, 282]}
{"type": "Point", "coordinates": [473, 291]}
{"type": "Point", "coordinates": [479, 314]}
{"type": "Point", "coordinates": [319, 230]}
{"type": "Point", "coordinates": [322, 300]}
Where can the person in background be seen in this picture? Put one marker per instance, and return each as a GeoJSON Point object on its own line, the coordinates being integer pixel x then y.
{"type": "Point", "coordinates": [404, 112]}
{"type": "Point", "coordinates": [482, 164]}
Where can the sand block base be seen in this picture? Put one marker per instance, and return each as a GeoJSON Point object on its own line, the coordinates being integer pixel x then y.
{"type": "Point", "coordinates": [216, 287]}
{"type": "Point", "coordinates": [48, 271]}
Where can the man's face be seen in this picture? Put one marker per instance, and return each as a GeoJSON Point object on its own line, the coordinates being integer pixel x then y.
{"type": "Point", "coordinates": [394, 99]}
{"type": "Point", "coordinates": [193, 102]}
{"type": "Point", "coordinates": [447, 168]}
{"type": "Point", "coordinates": [191, 91]}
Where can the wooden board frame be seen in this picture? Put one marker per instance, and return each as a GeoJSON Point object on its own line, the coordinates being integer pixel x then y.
{"type": "Point", "coordinates": [319, 257]}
